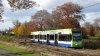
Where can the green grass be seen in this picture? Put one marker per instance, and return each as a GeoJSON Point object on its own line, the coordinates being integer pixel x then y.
{"type": "Point", "coordinates": [18, 51]}
{"type": "Point", "coordinates": [1, 55]}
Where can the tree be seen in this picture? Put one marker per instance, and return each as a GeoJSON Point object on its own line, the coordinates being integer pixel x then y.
{"type": "Point", "coordinates": [21, 4]}
{"type": "Point", "coordinates": [21, 29]}
{"type": "Point", "coordinates": [24, 28]}
{"type": "Point", "coordinates": [96, 24]}
{"type": "Point", "coordinates": [30, 27]}
{"type": "Point", "coordinates": [84, 33]}
{"type": "Point", "coordinates": [15, 30]}
{"type": "Point", "coordinates": [70, 12]}
{"type": "Point", "coordinates": [56, 22]}
{"type": "Point", "coordinates": [17, 5]}
{"type": "Point", "coordinates": [67, 15]}
{"type": "Point", "coordinates": [70, 23]}
{"type": "Point", "coordinates": [40, 18]}
{"type": "Point", "coordinates": [16, 26]}
{"type": "Point", "coordinates": [16, 23]}
{"type": "Point", "coordinates": [89, 28]}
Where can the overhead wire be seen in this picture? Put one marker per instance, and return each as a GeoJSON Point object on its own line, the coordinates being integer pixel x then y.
{"type": "Point", "coordinates": [91, 5]}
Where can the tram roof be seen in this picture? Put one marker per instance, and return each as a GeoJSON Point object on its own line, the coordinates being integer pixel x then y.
{"type": "Point", "coordinates": [59, 31]}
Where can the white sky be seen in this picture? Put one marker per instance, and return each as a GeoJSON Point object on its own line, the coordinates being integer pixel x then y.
{"type": "Point", "coordinates": [25, 15]}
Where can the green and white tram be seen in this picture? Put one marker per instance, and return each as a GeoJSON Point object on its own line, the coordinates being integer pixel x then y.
{"type": "Point", "coordinates": [61, 37]}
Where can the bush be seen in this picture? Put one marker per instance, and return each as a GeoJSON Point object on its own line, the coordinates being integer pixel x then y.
{"type": "Point", "coordinates": [92, 43]}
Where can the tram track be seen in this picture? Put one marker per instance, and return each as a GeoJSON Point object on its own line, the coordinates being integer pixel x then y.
{"type": "Point", "coordinates": [62, 51]}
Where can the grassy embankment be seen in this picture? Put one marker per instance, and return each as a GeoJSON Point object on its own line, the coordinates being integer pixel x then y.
{"type": "Point", "coordinates": [18, 51]}
{"type": "Point", "coordinates": [12, 49]}
{"type": "Point", "coordinates": [1, 55]}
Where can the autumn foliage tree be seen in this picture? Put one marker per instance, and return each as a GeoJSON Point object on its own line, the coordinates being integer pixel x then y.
{"type": "Point", "coordinates": [21, 29]}
{"type": "Point", "coordinates": [24, 28]}
{"type": "Point", "coordinates": [16, 26]}
{"type": "Point", "coordinates": [70, 23]}
{"type": "Point", "coordinates": [67, 15]}
{"type": "Point", "coordinates": [71, 13]}
{"type": "Point", "coordinates": [30, 27]}
{"type": "Point", "coordinates": [70, 10]}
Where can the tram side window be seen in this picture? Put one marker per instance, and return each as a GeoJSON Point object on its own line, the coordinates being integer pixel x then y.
{"type": "Point", "coordinates": [65, 37]}
{"type": "Point", "coordinates": [62, 38]}
{"type": "Point", "coordinates": [43, 37]}
{"type": "Point", "coordinates": [51, 37]}
{"type": "Point", "coordinates": [69, 37]}
{"type": "Point", "coordinates": [40, 36]}
{"type": "Point", "coordinates": [33, 37]}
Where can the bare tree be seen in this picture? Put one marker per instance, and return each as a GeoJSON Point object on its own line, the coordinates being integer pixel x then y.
{"type": "Point", "coordinates": [96, 24]}
{"type": "Point", "coordinates": [56, 20]}
{"type": "Point", "coordinates": [21, 4]}
{"type": "Point", "coordinates": [90, 30]}
{"type": "Point", "coordinates": [40, 18]}
{"type": "Point", "coordinates": [16, 23]}
{"type": "Point", "coordinates": [17, 5]}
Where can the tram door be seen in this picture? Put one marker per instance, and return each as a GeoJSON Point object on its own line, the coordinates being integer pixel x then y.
{"type": "Point", "coordinates": [36, 38]}
{"type": "Point", "coordinates": [56, 39]}
{"type": "Point", "coordinates": [51, 39]}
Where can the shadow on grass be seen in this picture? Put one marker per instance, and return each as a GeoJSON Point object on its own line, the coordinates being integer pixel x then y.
{"type": "Point", "coordinates": [92, 43]}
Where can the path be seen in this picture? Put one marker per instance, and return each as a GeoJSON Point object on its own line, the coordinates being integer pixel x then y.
{"type": "Point", "coordinates": [6, 53]}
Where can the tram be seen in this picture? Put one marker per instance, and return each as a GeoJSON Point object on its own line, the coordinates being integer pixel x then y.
{"type": "Point", "coordinates": [61, 37]}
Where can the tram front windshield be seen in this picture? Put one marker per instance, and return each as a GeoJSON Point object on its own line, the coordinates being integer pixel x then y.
{"type": "Point", "coordinates": [76, 36]}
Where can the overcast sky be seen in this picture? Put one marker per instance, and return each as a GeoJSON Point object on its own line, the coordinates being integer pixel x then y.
{"type": "Point", "coordinates": [24, 15]}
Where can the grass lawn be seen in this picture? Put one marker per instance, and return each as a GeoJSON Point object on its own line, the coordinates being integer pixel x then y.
{"type": "Point", "coordinates": [1, 55]}
{"type": "Point", "coordinates": [18, 51]}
